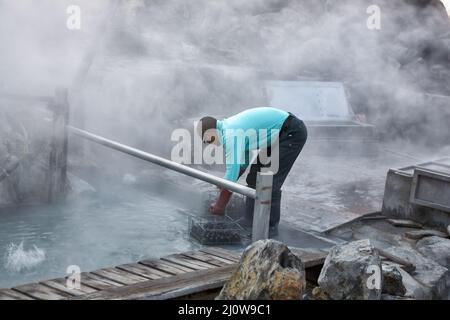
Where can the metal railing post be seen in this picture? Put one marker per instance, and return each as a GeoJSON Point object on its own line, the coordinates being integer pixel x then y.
{"type": "Point", "coordinates": [261, 214]}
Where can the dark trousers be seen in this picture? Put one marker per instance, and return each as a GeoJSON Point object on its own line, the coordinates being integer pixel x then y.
{"type": "Point", "coordinates": [291, 142]}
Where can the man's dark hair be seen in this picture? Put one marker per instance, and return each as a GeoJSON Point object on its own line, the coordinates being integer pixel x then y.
{"type": "Point", "coordinates": [208, 123]}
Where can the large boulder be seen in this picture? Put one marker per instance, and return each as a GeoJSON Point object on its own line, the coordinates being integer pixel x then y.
{"type": "Point", "coordinates": [268, 270]}
{"type": "Point", "coordinates": [435, 248]}
{"type": "Point", "coordinates": [352, 271]}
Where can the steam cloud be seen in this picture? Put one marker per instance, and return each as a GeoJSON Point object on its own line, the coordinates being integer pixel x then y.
{"type": "Point", "coordinates": [146, 65]}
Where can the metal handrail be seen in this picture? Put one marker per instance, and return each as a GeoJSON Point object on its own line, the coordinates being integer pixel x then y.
{"type": "Point", "coordinates": [262, 194]}
{"type": "Point", "coordinates": [220, 182]}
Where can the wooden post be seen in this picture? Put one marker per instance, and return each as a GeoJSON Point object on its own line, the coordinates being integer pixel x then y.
{"type": "Point", "coordinates": [263, 201]}
{"type": "Point", "coordinates": [57, 174]}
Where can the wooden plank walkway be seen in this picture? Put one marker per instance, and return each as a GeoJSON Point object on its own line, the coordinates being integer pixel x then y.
{"type": "Point", "coordinates": [170, 277]}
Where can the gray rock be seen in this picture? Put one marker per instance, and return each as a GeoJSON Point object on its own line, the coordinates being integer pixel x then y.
{"type": "Point", "coordinates": [448, 230]}
{"type": "Point", "coordinates": [350, 272]}
{"type": "Point", "coordinates": [429, 273]}
{"type": "Point", "coordinates": [414, 289]}
{"type": "Point", "coordinates": [419, 234]}
{"type": "Point", "coordinates": [392, 281]}
{"type": "Point", "coordinates": [435, 248]}
{"type": "Point", "coordinates": [392, 297]}
{"type": "Point", "coordinates": [268, 270]}
{"type": "Point", "coordinates": [404, 223]}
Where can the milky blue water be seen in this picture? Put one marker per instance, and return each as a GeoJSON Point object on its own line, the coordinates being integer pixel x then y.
{"type": "Point", "coordinates": [115, 224]}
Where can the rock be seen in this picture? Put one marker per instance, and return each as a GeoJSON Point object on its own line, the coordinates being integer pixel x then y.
{"type": "Point", "coordinates": [268, 270]}
{"type": "Point", "coordinates": [448, 230]}
{"type": "Point", "coordinates": [419, 234]}
{"type": "Point", "coordinates": [349, 272]}
{"type": "Point", "coordinates": [435, 248]}
{"type": "Point", "coordinates": [428, 272]}
{"type": "Point", "coordinates": [392, 281]}
{"type": "Point", "coordinates": [404, 223]}
{"type": "Point", "coordinates": [391, 297]}
{"type": "Point", "coordinates": [319, 294]}
{"type": "Point", "coordinates": [414, 289]}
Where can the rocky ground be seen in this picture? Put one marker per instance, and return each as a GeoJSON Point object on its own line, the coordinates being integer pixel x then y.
{"type": "Point", "coordinates": [356, 270]}
{"type": "Point", "coordinates": [426, 249]}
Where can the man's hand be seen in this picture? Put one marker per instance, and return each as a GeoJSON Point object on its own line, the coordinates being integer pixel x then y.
{"type": "Point", "coordinates": [216, 209]}
{"type": "Point", "coordinates": [219, 206]}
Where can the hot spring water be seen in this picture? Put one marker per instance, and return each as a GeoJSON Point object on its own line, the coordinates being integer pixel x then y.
{"type": "Point", "coordinates": [115, 224]}
{"type": "Point", "coordinates": [19, 259]}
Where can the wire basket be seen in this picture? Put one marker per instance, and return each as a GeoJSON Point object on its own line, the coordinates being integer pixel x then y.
{"type": "Point", "coordinates": [215, 230]}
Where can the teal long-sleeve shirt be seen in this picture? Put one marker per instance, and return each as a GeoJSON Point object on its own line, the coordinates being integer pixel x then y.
{"type": "Point", "coordinates": [249, 130]}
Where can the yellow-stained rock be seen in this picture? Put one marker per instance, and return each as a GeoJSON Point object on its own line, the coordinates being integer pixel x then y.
{"type": "Point", "coordinates": [267, 270]}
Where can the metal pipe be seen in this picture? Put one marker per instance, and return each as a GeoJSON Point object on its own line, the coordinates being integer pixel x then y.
{"type": "Point", "coordinates": [232, 186]}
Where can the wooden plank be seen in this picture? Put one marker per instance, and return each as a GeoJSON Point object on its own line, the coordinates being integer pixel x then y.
{"type": "Point", "coordinates": [83, 288]}
{"type": "Point", "coordinates": [188, 262]}
{"type": "Point", "coordinates": [201, 256]}
{"type": "Point", "coordinates": [228, 261]}
{"type": "Point", "coordinates": [222, 253]}
{"type": "Point", "coordinates": [8, 294]}
{"type": "Point", "coordinates": [201, 259]}
{"type": "Point", "coordinates": [41, 292]}
{"type": "Point", "coordinates": [119, 276]}
{"type": "Point", "coordinates": [144, 271]}
{"type": "Point", "coordinates": [166, 266]}
{"type": "Point", "coordinates": [96, 282]}
{"type": "Point", "coordinates": [61, 285]}
{"type": "Point", "coordinates": [169, 287]}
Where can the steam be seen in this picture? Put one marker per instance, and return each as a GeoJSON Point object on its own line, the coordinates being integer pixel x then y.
{"type": "Point", "coordinates": [149, 65]}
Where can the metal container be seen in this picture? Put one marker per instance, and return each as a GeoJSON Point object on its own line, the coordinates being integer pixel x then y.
{"type": "Point", "coordinates": [210, 230]}
{"type": "Point", "coordinates": [419, 192]}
